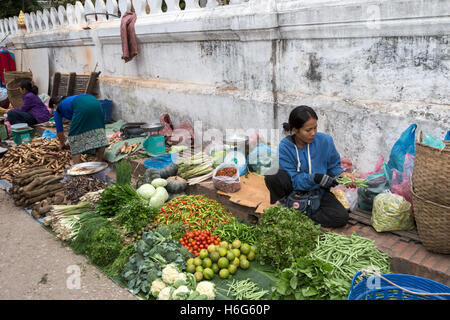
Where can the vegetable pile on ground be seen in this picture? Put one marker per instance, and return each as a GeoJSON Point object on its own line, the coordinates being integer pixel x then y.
{"type": "Point", "coordinates": [284, 235]}
{"type": "Point", "coordinates": [37, 152]}
{"type": "Point", "coordinates": [236, 230]}
{"type": "Point", "coordinates": [78, 186]}
{"type": "Point", "coordinates": [223, 259]}
{"type": "Point", "coordinates": [197, 165]}
{"type": "Point", "coordinates": [156, 250]}
{"type": "Point", "coordinates": [197, 240]}
{"type": "Point", "coordinates": [195, 212]}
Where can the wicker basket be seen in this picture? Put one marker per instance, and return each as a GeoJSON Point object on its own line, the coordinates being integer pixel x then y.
{"type": "Point", "coordinates": [14, 93]}
{"type": "Point", "coordinates": [13, 75]}
{"type": "Point", "coordinates": [431, 172]}
{"type": "Point", "coordinates": [433, 223]}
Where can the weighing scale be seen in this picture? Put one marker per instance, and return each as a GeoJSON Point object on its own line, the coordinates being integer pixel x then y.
{"type": "Point", "coordinates": [155, 142]}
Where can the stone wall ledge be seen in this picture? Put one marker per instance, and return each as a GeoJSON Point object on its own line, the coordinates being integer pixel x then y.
{"type": "Point", "coordinates": [255, 21]}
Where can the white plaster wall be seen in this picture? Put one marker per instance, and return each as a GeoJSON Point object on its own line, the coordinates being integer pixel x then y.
{"type": "Point", "coordinates": [247, 66]}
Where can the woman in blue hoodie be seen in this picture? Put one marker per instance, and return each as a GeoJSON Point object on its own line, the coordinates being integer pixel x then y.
{"type": "Point", "coordinates": [308, 165]}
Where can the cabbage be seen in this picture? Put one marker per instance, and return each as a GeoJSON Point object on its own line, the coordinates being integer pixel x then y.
{"type": "Point", "coordinates": [163, 192]}
{"type": "Point", "coordinates": [146, 191]}
{"type": "Point", "coordinates": [157, 201]}
{"type": "Point", "coordinates": [159, 182]}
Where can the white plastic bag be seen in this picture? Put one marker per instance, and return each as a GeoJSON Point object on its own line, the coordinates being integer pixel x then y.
{"type": "Point", "coordinates": [225, 183]}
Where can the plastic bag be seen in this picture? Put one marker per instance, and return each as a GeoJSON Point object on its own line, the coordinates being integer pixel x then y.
{"type": "Point", "coordinates": [347, 165]}
{"type": "Point", "coordinates": [376, 184]}
{"type": "Point", "coordinates": [262, 159]}
{"type": "Point", "coordinates": [391, 212]}
{"type": "Point", "coordinates": [378, 167]}
{"type": "Point", "coordinates": [433, 141]}
{"type": "Point", "coordinates": [225, 183]}
{"type": "Point", "coordinates": [447, 136]}
{"type": "Point", "coordinates": [405, 144]}
{"type": "Point", "coordinates": [400, 183]}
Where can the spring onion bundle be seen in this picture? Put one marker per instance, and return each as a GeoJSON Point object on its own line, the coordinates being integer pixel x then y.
{"type": "Point", "coordinates": [197, 165]}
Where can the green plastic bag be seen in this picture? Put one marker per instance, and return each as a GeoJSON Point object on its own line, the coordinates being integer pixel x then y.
{"type": "Point", "coordinates": [391, 212]}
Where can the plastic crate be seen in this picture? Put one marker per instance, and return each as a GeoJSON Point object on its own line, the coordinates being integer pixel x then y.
{"type": "Point", "coordinates": [376, 288]}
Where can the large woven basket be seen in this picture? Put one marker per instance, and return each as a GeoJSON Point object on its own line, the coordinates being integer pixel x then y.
{"type": "Point", "coordinates": [13, 75]}
{"type": "Point", "coordinates": [14, 93]}
{"type": "Point", "coordinates": [431, 174]}
{"type": "Point", "coordinates": [433, 223]}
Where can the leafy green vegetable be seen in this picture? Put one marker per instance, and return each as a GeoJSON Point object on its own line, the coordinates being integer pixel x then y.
{"type": "Point", "coordinates": [309, 279]}
{"type": "Point", "coordinates": [115, 269]}
{"type": "Point", "coordinates": [105, 246]}
{"type": "Point", "coordinates": [114, 196]}
{"type": "Point", "coordinates": [133, 215]}
{"type": "Point", "coordinates": [284, 235]}
{"type": "Point", "coordinates": [90, 222]}
{"type": "Point", "coordinates": [123, 172]}
{"type": "Point", "coordinates": [152, 253]}
{"type": "Point", "coordinates": [176, 230]}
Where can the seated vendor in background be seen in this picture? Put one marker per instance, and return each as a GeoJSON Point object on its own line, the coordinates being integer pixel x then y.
{"type": "Point", "coordinates": [87, 127]}
{"type": "Point", "coordinates": [308, 162]}
{"type": "Point", "coordinates": [33, 110]}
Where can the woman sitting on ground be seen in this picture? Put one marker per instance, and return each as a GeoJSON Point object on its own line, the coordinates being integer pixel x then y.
{"type": "Point", "coordinates": [308, 165]}
{"type": "Point", "coordinates": [33, 110]}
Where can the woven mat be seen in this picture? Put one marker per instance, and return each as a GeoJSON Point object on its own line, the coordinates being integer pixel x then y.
{"type": "Point", "coordinates": [253, 193]}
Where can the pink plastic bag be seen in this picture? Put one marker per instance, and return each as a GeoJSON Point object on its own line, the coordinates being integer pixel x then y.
{"type": "Point", "coordinates": [400, 183]}
{"type": "Point", "coordinates": [378, 167]}
{"type": "Point", "coordinates": [347, 165]}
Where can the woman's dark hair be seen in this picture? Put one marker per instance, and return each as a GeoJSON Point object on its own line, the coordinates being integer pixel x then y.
{"type": "Point", "coordinates": [298, 116]}
{"type": "Point", "coordinates": [55, 101]}
{"type": "Point", "coordinates": [26, 84]}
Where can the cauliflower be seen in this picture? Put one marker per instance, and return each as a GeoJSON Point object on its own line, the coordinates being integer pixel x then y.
{"type": "Point", "coordinates": [207, 288]}
{"type": "Point", "coordinates": [170, 274]}
{"type": "Point", "coordinates": [180, 276]}
{"type": "Point", "coordinates": [157, 286]}
{"type": "Point", "coordinates": [164, 294]}
{"type": "Point", "coordinates": [181, 289]}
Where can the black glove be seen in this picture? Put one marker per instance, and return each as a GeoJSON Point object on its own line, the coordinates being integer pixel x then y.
{"type": "Point", "coordinates": [325, 181]}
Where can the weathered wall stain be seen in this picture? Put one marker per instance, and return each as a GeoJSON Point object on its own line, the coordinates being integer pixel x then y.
{"type": "Point", "coordinates": [313, 72]}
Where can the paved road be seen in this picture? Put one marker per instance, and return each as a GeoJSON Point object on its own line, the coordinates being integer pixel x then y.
{"type": "Point", "coordinates": [34, 264]}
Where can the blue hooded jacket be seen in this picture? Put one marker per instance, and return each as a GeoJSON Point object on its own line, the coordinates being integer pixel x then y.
{"type": "Point", "coordinates": [324, 159]}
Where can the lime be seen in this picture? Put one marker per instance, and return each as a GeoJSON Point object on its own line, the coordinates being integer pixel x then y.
{"type": "Point", "coordinates": [207, 263]}
{"type": "Point", "coordinates": [211, 248]}
{"type": "Point", "coordinates": [236, 262]}
{"type": "Point", "coordinates": [236, 252]}
{"type": "Point", "coordinates": [203, 253]}
{"type": "Point", "coordinates": [243, 256]}
{"type": "Point", "coordinates": [244, 264]}
{"type": "Point", "coordinates": [208, 273]}
{"type": "Point", "coordinates": [236, 244]}
{"type": "Point", "coordinates": [223, 251]}
{"type": "Point", "coordinates": [190, 261]}
{"type": "Point", "coordinates": [251, 256]}
{"type": "Point", "coordinates": [198, 261]}
{"type": "Point", "coordinates": [224, 244]}
{"type": "Point", "coordinates": [214, 256]}
{"type": "Point", "coordinates": [245, 248]}
{"type": "Point", "coordinates": [198, 276]}
{"type": "Point", "coordinates": [232, 268]}
{"type": "Point", "coordinates": [223, 263]}
{"type": "Point", "coordinates": [215, 268]}
{"type": "Point", "coordinates": [190, 268]}
{"type": "Point", "coordinates": [224, 273]}
{"type": "Point", "coordinates": [199, 269]}
{"type": "Point", "coordinates": [230, 256]}
{"type": "Point", "coordinates": [253, 248]}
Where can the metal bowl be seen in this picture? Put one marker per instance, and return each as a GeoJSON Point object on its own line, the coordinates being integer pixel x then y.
{"type": "Point", "coordinates": [85, 168]}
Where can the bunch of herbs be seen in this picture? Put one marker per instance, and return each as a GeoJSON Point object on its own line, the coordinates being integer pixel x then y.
{"type": "Point", "coordinates": [285, 235]}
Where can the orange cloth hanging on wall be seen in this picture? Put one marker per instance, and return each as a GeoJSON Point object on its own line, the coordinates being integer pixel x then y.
{"type": "Point", "coordinates": [128, 36]}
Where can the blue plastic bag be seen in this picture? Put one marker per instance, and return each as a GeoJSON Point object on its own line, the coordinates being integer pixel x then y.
{"type": "Point", "coordinates": [405, 144]}
{"type": "Point", "coordinates": [160, 161]}
{"type": "Point", "coordinates": [447, 136]}
{"type": "Point", "coordinates": [48, 134]}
